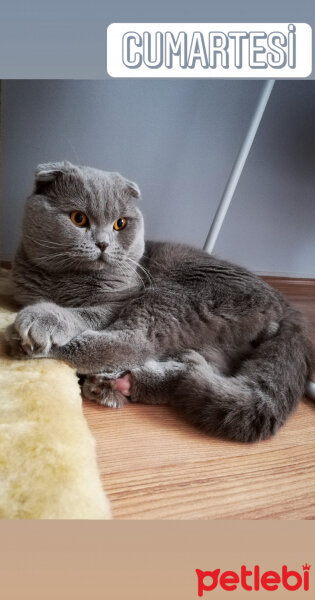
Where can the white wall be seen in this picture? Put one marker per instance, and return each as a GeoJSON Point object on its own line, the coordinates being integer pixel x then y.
{"type": "Point", "coordinates": [178, 140]}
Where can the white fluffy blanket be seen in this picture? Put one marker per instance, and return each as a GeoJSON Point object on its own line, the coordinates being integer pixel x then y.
{"type": "Point", "coordinates": [47, 454]}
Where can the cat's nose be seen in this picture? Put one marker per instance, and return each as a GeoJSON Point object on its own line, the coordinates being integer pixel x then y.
{"type": "Point", "coordinates": [102, 246]}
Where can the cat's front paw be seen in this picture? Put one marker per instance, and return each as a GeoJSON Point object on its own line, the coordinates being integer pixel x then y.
{"type": "Point", "coordinates": [15, 344]}
{"type": "Point", "coordinates": [36, 330]}
{"type": "Point", "coordinates": [107, 390]}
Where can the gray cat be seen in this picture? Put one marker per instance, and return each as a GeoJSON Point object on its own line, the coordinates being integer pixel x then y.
{"type": "Point", "coordinates": [151, 322]}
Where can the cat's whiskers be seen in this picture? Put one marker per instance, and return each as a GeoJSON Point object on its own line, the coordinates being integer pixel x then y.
{"type": "Point", "coordinates": [51, 258]}
{"type": "Point", "coordinates": [128, 268]}
{"type": "Point", "coordinates": [47, 243]}
{"type": "Point", "coordinates": [60, 261]}
{"type": "Point", "coordinates": [156, 262]}
{"type": "Point", "coordinates": [125, 274]}
{"type": "Point", "coordinates": [129, 271]}
{"type": "Point", "coordinates": [146, 273]}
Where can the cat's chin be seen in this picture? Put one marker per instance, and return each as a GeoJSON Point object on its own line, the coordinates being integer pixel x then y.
{"type": "Point", "coordinates": [93, 266]}
{"type": "Point", "coordinates": [99, 264]}
{"type": "Point", "coordinates": [96, 264]}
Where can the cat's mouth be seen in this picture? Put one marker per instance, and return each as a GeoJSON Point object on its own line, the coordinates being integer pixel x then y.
{"type": "Point", "coordinates": [99, 263]}
{"type": "Point", "coordinates": [105, 258]}
{"type": "Point", "coordinates": [93, 263]}
{"type": "Point", "coordinates": [102, 259]}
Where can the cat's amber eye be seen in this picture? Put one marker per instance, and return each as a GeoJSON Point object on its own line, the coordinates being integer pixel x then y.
{"type": "Point", "coordinates": [78, 218]}
{"type": "Point", "coordinates": [120, 224]}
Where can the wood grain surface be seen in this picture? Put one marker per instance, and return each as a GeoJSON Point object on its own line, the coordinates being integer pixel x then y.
{"type": "Point", "coordinates": [155, 466]}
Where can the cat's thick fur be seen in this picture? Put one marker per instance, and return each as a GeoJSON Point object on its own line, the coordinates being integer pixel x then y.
{"type": "Point", "coordinates": [203, 335]}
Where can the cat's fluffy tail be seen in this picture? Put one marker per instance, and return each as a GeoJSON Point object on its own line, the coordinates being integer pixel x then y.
{"type": "Point", "coordinates": [254, 402]}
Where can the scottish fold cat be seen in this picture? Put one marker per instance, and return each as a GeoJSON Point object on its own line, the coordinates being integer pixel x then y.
{"type": "Point", "coordinates": [151, 322]}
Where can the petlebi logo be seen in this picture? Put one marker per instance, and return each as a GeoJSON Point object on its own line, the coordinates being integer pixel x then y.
{"type": "Point", "coordinates": [253, 579]}
{"type": "Point", "coordinates": [260, 50]}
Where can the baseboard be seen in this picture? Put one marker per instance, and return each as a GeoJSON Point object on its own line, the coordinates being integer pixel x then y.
{"type": "Point", "coordinates": [284, 276]}
{"type": "Point", "coordinates": [5, 264]}
{"type": "Point", "coordinates": [5, 257]}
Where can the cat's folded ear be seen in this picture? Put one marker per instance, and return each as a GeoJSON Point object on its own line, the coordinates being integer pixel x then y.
{"type": "Point", "coordinates": [48, 172]}
{"type": "Point", "coordinates": [132, 189]}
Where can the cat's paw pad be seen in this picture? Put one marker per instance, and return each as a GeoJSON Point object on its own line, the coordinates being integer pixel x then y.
{"type": "Point", "coordinates": [107, 392]}
{"type": "Point", "coordinates": [122, 384]}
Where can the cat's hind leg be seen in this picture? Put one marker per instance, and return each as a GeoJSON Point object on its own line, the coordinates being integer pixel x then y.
{"type": "Point", "coordinates": [151, 383]}
{"type": "Point", "coordinates": [155, 381]}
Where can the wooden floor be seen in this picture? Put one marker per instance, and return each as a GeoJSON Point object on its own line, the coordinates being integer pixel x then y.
{"type": "Point", "coordinates": [154, 466]}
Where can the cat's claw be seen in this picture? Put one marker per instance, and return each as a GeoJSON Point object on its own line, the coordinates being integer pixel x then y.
{"type": "Point", "coordinates": [17, 348]}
